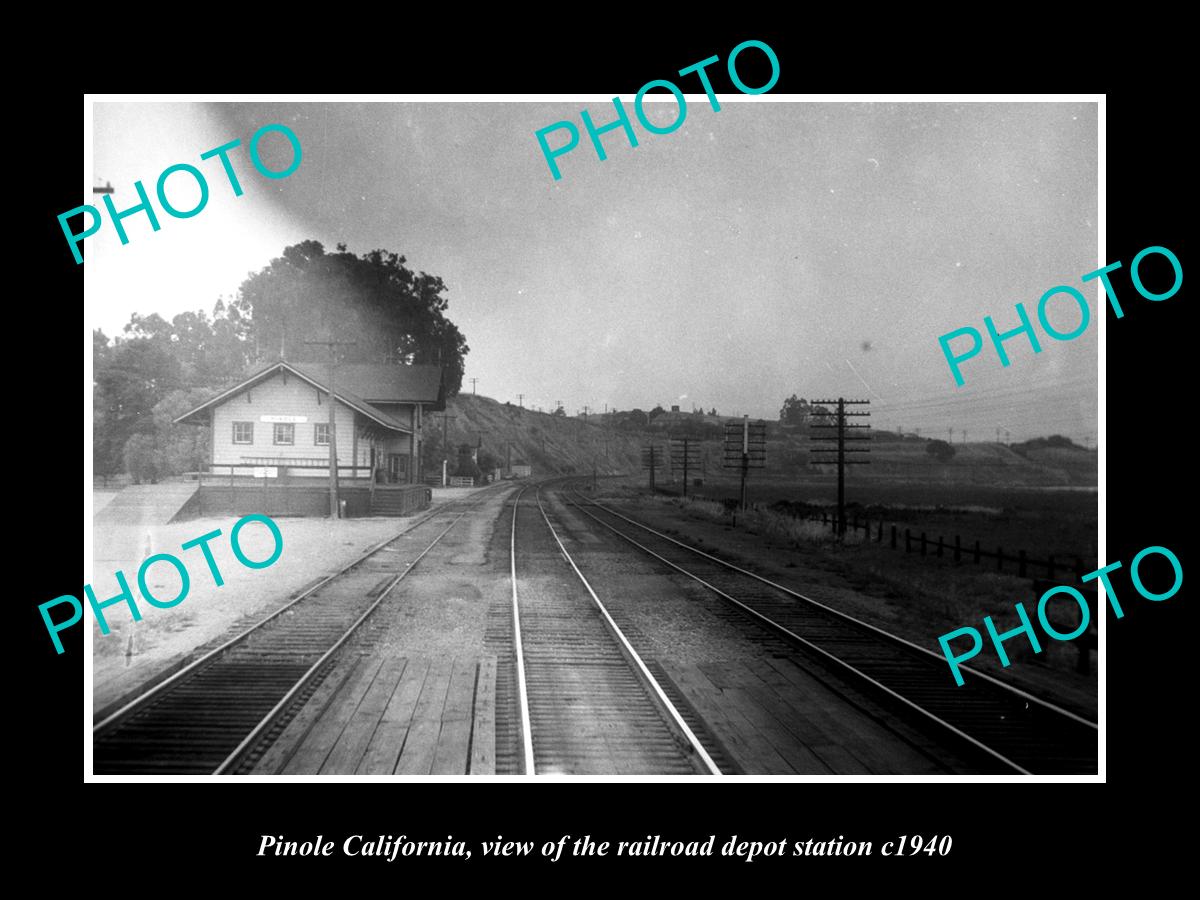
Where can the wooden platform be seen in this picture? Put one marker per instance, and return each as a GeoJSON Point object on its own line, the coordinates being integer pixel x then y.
{"type": "Point", "coordinates": [401, 715]}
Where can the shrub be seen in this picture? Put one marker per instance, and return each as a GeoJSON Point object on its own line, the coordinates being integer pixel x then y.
{"type": "Point", "coordinates": [941, 450]}
{"type": "Point", "coordinates": [144, 460]}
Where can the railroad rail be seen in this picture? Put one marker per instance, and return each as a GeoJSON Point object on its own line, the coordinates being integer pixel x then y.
{"type": "Point", "coordinates": [214, 715]}
{"type": "Point", "coordinates": [996, 722]}
{"type": "Point", "coordinates": [588, 703]}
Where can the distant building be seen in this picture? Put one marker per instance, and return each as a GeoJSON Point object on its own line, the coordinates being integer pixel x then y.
{"type": "Point", "coordinates": [521, 470]}
{"type": "Point", "coordinates": [277, 418]}
{"type": "Point", "coordinates": [675, 408]}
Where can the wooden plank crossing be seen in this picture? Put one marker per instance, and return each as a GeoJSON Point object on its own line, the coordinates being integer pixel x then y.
{"type": "Point", "coordinates": [400, 715]}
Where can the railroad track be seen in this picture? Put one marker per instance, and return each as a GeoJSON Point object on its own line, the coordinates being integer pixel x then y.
{"type": "Point", "coordinates": [1005, 728]}
{"type": "Point", "coordinates": [587, 702]}
{"type": "Point", "coordinates": [220, 712]}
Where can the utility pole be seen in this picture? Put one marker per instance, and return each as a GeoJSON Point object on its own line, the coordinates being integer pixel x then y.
{"type": "Point", "coordinates": [650, 461]}
{"type": "Point", "coordinates": [685, 466]}
{"type": "Point", "coordinates": [683, 457]}
{"type": "Point", "coordinates": [521, 400]}
{"type": "Point", "coordinates": [334, 507]}
{"type": "Point", "coordinates": [445, 446]}
{"type": "Point", "coordinates": [473, 380]}
{"type": "Point", "coordinates": [842, 439]}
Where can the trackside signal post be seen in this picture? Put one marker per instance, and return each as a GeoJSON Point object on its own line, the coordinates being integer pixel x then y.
{"type": "Point", "coordinates": [842, 439]}
{"type": "Point", "coordinates": [745, 448]}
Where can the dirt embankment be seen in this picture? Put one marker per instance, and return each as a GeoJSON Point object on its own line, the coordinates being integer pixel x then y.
{"type": "Point", "coordinates": [562, 444]}
{"type": "Point", "coordinates": [550, 444]}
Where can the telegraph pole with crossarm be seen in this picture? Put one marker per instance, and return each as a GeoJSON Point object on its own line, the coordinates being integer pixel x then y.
{"type": "Point", "coordinates": [842, 438]}
{"type": "Point", "coordinates": [334, 508]}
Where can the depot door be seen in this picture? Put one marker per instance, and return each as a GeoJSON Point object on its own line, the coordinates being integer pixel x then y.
{"type": "Point", "coordinates": [395, 467]}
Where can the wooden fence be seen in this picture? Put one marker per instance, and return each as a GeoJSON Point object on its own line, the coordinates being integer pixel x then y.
{"type": "Point", "coordinates": [941, 547]}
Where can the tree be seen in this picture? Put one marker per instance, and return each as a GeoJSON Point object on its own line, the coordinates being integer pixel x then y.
{"type": "Point", "coordinates": [182, 448]}
{"type": "Point", "coordinates": [655, 413]}
{"type": "Point", "coordinates": [559, 411]}
{"type": "Point", "coordinates": [210, 352]}
{"type": "Point", "coordinates": [941, 450]}
{"type": "Point", "coordinates": [394, 314]}
{"type": "Point", "coordinates": [143, 459]}
{"type": "Point", "coordinates": [820, 415]}
{"type": "Point", "coordinates": [106, 459]}
{"type": "Point", "coordinates": [487, 462]}
{"type": "Point", "coordinates": [795, 412]}
{"type": "Point", "coordinates": [465, 465]}
{"type": "Point", "coordinates": [129, 379]}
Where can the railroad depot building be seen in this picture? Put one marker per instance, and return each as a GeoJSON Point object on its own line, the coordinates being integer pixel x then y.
{"type": "Point", "coordinates": [273, 428]}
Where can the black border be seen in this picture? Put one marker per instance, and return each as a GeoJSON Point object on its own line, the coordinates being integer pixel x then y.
{"type": "Point", "coordinates": [997, 831]}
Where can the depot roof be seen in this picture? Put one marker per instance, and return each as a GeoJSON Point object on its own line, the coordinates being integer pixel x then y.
{"type": "Point", "coordinates": [364, 387]}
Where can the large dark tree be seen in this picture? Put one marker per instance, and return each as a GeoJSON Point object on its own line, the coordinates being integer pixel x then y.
{"type": "Point", "coordinates": [795, 412]}
{"type": "Point", "coordinates": [392, 313]}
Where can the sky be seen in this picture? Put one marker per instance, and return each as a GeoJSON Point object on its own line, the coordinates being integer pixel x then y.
{"type": "Point", "coordinates": [759, 251]}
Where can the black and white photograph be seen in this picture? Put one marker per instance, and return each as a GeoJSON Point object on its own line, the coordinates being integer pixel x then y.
{"type": "Point", "coordinates": [734, 435]}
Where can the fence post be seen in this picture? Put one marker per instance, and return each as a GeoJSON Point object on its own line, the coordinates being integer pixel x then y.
{"type": "Point", "coordinates": [1021, 563]}
{"type": "Point", "coordinates": [907, 541]}
{"type": "Point", "coordinates": [893, 537]}
{"type": "Point", "coordinates": [957, 548]}
{"type": "Point", "coordinates": [922, 543]}
{"type": "Point", "coordinates": [1050, 567]}
{"type": "Point", "coordinates": [976, 552]}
